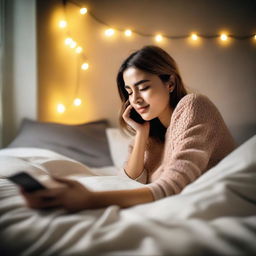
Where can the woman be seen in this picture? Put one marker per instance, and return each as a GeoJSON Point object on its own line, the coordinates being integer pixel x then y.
{"type": "Point", "coordinates": [177, 137]}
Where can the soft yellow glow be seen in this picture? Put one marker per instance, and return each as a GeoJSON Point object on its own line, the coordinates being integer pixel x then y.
{"type": "Point", "coordinates": [109, 32]}
{"type": "Point", "coordinates": [72, 44]}
{"type": "Point", "coordinates": [79, 49]}
{"type": "Point", "coordinates": [68, 41]}
{"type": "Point", "coordinates": [254, 37]}
{"type": "Point", "coordinates": [62, 24]}
{"type": "Point", "coordinates": [85, 66]}
{"type": "Point", "coordinates": [83, 11]}
{"type": "Point", "coordinates": [223, 37]}
{"type": "Point", "coordinates": [77, 102]}
{"type": "Point", "coordinates": [61, 108]}
{"type": "Point", "coordinates": [194, 36]}
{"type": "Point", "coordinates": [128, 32]}
{"type": "Point", "coordinates": [158, 38]}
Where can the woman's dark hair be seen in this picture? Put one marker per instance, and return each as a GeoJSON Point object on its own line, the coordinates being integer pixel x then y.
{"type": "Point", "coordinates": [154, 60]}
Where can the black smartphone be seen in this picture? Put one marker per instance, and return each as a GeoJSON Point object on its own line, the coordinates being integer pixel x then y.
{"type": "Point", "coordinates": [27, 182]}
{"type": "Point", "coordinates": [136, 117]}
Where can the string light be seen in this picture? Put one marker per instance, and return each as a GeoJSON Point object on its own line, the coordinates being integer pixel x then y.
{"type": "Point", "coordinates": [73, 44]}
{"type": "Point", "coordinates": [223, 37]}
{"type": "Point", "coordinates": [68, 41]}
{"type": "Point", "coordinates": [194, 37]}
{"type": "Point", "coordinates": [77, 102]}
{"type": "Point", "coordinates": [62, 24]}
{"type": "Point", "coordinates": [61, 108]}
{"type": "Point", "coordinates": [128, 32]}
{"type": "Point", "coordinates": [85, 66]}
{"type": "Point", "coordinates": [158, 38]}
{"type": "Point", "coordinates": [83, 11]}
{"type": "Point", "coordinates": [79, 49]}
{"type": "Point", "coordinates": [109, 32]}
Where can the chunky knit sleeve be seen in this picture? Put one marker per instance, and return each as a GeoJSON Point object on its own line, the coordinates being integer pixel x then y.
{"type": "Point", "coordinates": [195, 132]}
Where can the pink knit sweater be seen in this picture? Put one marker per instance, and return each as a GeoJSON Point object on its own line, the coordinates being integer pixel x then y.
{"type": "Point", "coordinates": [196, 140]}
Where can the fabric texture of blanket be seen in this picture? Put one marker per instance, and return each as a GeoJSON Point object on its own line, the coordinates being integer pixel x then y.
{"type": "Point", "coordinates": [215, 215]}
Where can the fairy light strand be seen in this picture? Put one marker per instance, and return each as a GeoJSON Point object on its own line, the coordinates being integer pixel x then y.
{"type": "Point", "coordinates": [81, 59]}
{"type": "Point", "coordinates": [110, 31]}
{"type": "Point", "coordinates": [172, 37]}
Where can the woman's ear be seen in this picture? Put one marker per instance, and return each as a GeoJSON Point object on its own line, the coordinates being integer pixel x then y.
{"type": "Point", "coordinates": [171, 88]}
{"type": "Point", "coordinates": [171, 83]}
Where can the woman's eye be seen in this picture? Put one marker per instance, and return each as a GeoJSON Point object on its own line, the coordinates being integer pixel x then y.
{"type": "Point", "coordinates": [144, 89]}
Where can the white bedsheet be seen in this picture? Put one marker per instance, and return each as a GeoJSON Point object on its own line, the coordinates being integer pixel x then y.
{"type": "Point", "coordinates": [215, 215]}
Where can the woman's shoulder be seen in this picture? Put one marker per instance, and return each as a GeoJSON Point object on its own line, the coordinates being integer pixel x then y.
{"type": "Point", "coordinates": [194, 99]}
{"type": "Point", "coordinates": [195, 106]}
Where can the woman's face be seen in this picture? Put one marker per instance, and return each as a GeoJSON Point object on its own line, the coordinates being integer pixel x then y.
{"type": "Point", "coordinates": [148, 95]}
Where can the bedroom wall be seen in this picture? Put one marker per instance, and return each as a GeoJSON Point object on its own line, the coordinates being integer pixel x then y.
{"type": "Point", "coordinates": [19, 97]}
{"type": "Point", "coordinates": [225, 72]}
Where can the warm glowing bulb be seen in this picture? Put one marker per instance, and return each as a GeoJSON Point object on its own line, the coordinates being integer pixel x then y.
{"type": "Point", "coordinates": [62, 24]}
{"type": "Point", "coordinates": [254, 37]}
{"type": "Point", "coordinates": [77, 102]}
{"type": "Point", "coordinates": [68, 41]}
{"type": "Point", "coordinates": [83, 10]}
{"type": "Point", "coordinates": [194, 36]}
{"type": "Point", "coordinates": [85, 66]}
{"type": "Point", "coordinates": [223, 37]}
{"type": "Point", "coordinates": [79, 49]}
{"type": "Point", "coordinates": [109, 32]}
{"type": "Point", "coordinates": [72, 44]}
{"type": "Point", "coordinates": [61, 108]}
{"type": "Point", "coordinates": [159, 38]}
{"type": "Point", "coordinates": [128, 32]}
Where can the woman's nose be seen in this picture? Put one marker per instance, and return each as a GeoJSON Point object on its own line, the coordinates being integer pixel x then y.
{"type": "Point", "coordinates": [136, 98]}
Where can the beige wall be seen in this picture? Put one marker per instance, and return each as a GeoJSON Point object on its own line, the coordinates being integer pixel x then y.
{"type": "Point", "coordinates": [224, 72]}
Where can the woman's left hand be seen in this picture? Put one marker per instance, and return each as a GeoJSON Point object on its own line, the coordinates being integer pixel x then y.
{"type": "Point", "coordinates": [73, 197]}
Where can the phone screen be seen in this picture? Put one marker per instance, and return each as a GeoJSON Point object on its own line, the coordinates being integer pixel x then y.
{"type": "Point", "coordinates": [26, 181]}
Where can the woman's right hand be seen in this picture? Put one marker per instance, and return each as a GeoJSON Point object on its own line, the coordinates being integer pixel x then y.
{"type": "Point", "coordinates": [141, 128]}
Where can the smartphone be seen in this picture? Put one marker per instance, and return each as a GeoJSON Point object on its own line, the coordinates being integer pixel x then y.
{"type": "Point", "coordinates": [26, 181]}
{"type": "Point", "coordinates": [136, 117]}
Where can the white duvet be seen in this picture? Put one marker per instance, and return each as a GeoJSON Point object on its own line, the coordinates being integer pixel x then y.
{"type": "Point", "coordinates": [215, 215]}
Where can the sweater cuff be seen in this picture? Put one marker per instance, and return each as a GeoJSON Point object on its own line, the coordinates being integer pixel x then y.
{"type": "Point", "coordinates": [142, 178]}
{"type": "Point", "coordinates": [156, 190]}
{"type": "Point", "coordinates": [161, 188]}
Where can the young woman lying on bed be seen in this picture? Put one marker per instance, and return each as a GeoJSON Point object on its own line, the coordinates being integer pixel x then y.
{"type": "Point", "coordinates": [177, 137]}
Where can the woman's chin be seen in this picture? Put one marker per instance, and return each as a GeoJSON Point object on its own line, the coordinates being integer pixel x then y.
{"type": "Point", "coordinates": [146, 117]}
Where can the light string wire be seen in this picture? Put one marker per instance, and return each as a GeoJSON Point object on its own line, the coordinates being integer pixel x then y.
{"type": "Point", "coordinates": [82, 59]}
{"type": "Point", "coordinates": [238, 37]}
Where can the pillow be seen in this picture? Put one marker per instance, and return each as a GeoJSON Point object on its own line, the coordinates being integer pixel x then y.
{"type": "Point", "coordinates": [119, 144]}
{"type": "Point", "coordinates": [86, 143]}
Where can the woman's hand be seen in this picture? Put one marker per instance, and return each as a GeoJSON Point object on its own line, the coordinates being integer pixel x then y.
{"type": "Point", "coordinates": [144, 128]}
{"type": "Point", "coordinates": [74, 197]}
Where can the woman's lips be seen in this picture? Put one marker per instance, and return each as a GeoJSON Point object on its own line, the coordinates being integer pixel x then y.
{"type": "Point", "coordinates": [143, 109]}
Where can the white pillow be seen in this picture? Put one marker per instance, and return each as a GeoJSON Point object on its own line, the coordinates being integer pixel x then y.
{"type": "Point", "coordinates": [118, 144]}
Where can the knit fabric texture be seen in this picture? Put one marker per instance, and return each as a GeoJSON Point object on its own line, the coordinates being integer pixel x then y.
{"type": "Point", "coordinates": [196, 140]}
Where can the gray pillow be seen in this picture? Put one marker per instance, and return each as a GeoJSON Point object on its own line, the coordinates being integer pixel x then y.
{"type": "Point", "coordinates": [86, 143]}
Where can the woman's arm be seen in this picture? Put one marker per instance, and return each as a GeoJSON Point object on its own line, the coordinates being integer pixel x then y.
{"type": "Point", "coordinates": [75, 197]}
{"type": "Point", "coordinates": [123, 198]}
{"type": "Point", "coordinates": [135, 164]}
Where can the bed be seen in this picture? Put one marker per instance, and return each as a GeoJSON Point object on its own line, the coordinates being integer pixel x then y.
{"type": "Point", "coordinates": [215, 215]}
